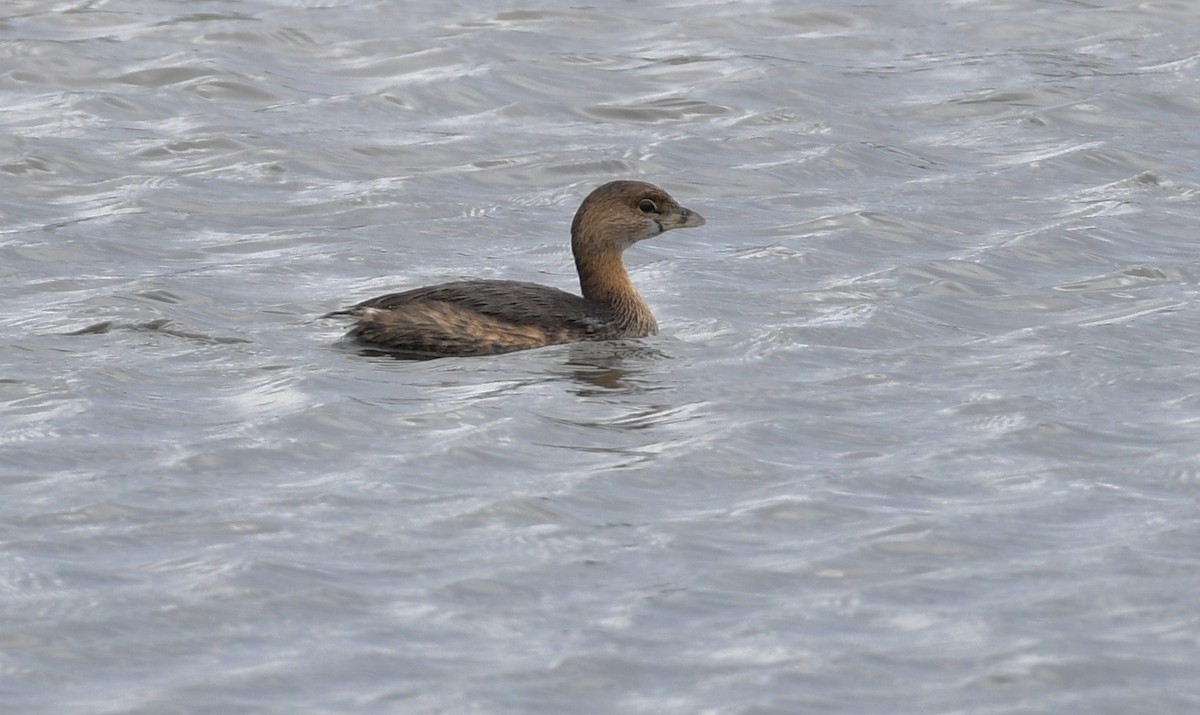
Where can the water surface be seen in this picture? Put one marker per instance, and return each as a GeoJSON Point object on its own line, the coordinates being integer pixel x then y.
{"type": "Point", "coordinates": [918, 434]}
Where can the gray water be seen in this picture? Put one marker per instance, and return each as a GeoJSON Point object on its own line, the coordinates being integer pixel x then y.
{"type": "Point", "coordinates": [919, 435]}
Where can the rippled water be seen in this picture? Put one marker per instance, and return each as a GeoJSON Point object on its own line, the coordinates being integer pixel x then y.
{"type": "Point", "coordinates": [919, 435]}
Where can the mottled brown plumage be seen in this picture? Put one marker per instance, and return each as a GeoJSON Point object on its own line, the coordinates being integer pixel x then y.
{"type": "Point", "coordinates": [486, 317]}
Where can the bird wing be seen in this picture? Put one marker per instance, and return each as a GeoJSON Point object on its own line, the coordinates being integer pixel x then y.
{"type": "Point", "coordinates": [517, 302]}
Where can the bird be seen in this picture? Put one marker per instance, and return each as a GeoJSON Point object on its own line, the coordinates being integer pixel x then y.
{"type": "Point", "coordinates": [489, 317]}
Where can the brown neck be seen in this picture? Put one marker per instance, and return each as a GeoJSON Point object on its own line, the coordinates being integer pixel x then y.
{"type": "Point", "coordinates": [604, 281]}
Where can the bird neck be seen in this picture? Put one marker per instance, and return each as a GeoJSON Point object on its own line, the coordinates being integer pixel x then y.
{"type": "Point", "coordinates": [605, 282]}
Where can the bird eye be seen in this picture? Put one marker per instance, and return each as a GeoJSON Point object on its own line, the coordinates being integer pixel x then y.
{"type": "Point", "coordinates": [647, 206]}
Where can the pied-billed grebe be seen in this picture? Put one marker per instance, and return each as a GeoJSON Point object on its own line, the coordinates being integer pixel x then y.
{"type": "Point", "coordinates": [486, 317]}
